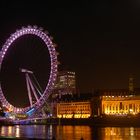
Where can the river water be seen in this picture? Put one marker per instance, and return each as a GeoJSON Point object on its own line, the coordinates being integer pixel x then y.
{"type": "Point", "coordinates": [69, 132]}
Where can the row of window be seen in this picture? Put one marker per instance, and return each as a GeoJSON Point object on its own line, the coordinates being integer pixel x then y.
{"type": "Point", "coordinates": [74, 112]}
{"type": "Point", "coordinates": [119, 107]}
{"type": "Point", "coordinates": [61, 109]}
{"type": "Point", "coordinates": [74, 106]}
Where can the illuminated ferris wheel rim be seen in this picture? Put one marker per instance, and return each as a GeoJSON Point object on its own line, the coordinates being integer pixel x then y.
{"type": "Point", "coordinates": [53, 72]}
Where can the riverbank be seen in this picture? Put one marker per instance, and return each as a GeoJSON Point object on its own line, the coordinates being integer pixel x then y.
{"type": "Point", "coordinates": [5, 121]}
{"type": "Point", "coordinates": [105, 121]}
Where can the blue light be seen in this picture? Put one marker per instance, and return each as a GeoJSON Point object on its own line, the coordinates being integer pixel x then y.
{"type": "Point", "coordinates": [7, 114]}
{"type": "Point", "coordinates": [29, 113]}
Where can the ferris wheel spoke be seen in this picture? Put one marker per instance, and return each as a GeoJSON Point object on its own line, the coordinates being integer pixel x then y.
{"type": "Point", "coordinates": [28, 89]}
{"type": "Point", "coordinates": [40, 89]}
{"type": "Point", "coordinates": [33, 89]}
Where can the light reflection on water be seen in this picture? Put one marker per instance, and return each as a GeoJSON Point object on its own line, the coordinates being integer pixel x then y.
{"type": "Point", "coordinates": [70, 132]}
{"type": "Point", "coordinates": [120, 133]}
{"type": "Point", "coordinates": [73, 132]}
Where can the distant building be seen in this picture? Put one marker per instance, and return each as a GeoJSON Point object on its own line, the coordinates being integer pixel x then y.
{"type": "Point", "coordinates": [74, 110]}
{"type": "Point", "coordinates": [121, 101]}
{"type": "Point", "coordinates": [117, 102]}
{"type": "Point", "coordinates": [121, 105]}
{"type": "Point", "coordinates": [65, 83]}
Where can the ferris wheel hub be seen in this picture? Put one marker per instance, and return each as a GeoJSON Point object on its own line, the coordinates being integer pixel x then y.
{"type": "Point", "coordinates": [26, 71]}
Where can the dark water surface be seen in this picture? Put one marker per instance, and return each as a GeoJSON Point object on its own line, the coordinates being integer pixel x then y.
{"type": "Point", "coordinates": [69, 132]}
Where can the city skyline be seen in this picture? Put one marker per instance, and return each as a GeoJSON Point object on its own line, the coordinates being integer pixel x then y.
{"type": "Point", "coordinates": [99, 41]}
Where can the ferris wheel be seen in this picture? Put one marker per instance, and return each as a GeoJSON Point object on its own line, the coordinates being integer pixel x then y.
{"type": "Point", "coordinates": [40, 99]}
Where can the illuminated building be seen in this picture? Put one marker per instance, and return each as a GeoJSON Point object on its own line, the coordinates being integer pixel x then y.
{"type": "Point", "coordinates": [121, 105]}
{"type": "Point", "coordinates": [121, 101]}
{"type": "Point", "coordinates": [108, 105]}
{"type": "Point", "coordinates": [65, 83]}
{"type": "Point", "coordinates": [74, 110]}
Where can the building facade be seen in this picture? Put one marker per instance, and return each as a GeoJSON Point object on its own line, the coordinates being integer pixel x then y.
{"type": "Point", "coordinates": [121, 105]}
{"type": "Point", "coordinates": [65, 83]}
{"type": "Point", "coordinates": [74, 110]}
{"type": "Point", "coordinates": [115, 102]}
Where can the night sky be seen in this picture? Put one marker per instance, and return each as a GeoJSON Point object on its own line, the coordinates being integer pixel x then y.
{"type": "Point", "coordinates": [98, 40]}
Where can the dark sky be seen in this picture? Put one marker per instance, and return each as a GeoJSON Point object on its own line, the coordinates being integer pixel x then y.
{"type": "Point", "coordinates": [99, 40]}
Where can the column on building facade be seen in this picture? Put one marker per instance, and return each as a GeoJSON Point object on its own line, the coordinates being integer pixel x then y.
{"type": "Point", "coordinates": [121, 105]}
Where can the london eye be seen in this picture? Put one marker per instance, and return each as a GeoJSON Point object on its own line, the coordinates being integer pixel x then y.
{"type": "Point", "coordinates": [39, 99]}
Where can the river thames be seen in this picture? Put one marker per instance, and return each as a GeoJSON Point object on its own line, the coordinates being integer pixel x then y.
{"type": "Point", "coordinates": [69, 132]}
